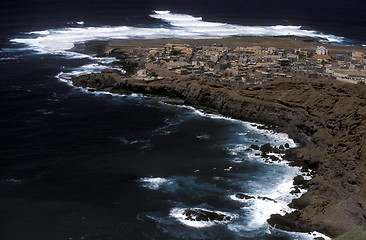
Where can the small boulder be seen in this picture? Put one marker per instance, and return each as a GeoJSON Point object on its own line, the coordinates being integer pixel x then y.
{"type": "Point", "coordinates": [274, 158]}
{"type": "Point", "coordinates": [296, 190]}
{"type": "Point", "coordinates": [243, 196]}
{"type": "Point", "coordinates": [267, 199]}
{"type": "Point", "coordinates": [109, 70]}
{"type": "Point", "coordinates": [255, 147]}
{"type": "Point", "coordinates": [299, 180]}
{"type": "Point", "coordinates": [266, 148]}
{"type": "Point", "coordinates": [194, 214]}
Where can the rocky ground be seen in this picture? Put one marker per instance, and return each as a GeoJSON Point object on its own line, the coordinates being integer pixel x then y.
{"type": "Point", "coordinates": [293, 42]}
{"type": "Point", "coordinates": [328, 118]}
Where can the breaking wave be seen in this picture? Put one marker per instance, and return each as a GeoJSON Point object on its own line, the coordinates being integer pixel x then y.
{"type": "Point", "coordinates": [60, 41]}
{"type": "Point", "coordinates": [191, 217]}
{"type": "Point", "coordinates": [153, 183]}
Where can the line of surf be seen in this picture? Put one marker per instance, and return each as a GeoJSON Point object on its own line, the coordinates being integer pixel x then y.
{"type": "Point", "coordinates": [61, 41]}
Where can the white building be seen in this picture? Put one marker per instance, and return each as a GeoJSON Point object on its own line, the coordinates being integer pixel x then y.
{"type": "Point", "coordinates": [320, 50]}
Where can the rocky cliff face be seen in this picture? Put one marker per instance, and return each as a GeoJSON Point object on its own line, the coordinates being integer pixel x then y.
{"type": "Point", "coordinates": [327, 118]}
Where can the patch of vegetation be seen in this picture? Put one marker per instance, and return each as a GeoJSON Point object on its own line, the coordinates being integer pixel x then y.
{"type": "Point", "coordinates": [356, 233]}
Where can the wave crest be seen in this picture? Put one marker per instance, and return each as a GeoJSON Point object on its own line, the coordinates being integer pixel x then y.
{"type": "Point", "coordinates": [60, 41]}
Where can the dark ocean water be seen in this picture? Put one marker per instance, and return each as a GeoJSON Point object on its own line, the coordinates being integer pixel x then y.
{"type": "Point", "coordinates": [76, 165]}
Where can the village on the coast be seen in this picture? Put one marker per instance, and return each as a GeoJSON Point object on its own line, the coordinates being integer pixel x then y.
{"type": "Point", "coordinates": [247, 65]}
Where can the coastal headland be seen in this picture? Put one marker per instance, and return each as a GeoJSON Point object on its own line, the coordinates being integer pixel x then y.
{"type": "Point", "coordinates": [323, 113]}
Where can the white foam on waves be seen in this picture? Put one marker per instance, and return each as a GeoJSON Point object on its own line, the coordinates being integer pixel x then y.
{"type": "Point", "coordinates": [153, 183]}
{"type": "Point", "coordinates": [8, 59]}
{"type": "Point", "coordinates": [97, 65]}
{"type": "Point", "coordinates": [203, 136]}
{"type": "Point", "coordinates": [60, 41]}
{"type": "Point", "coordinates": [43, 32]}
{"type": "Point", "coordinates": [12, 180]}
{"type": "Point", "coordinates": [178, 213]}
{"type": "Point", "coordinates": [268, 198]}
{"type": "Point", "coordinates": [276, 138]}
{"type": "Point", "coordinates": [271, 200]}
{"type": "Point", "coordinates": [196, 25]}
{"type": "Point", "coordinates": [305, 236]}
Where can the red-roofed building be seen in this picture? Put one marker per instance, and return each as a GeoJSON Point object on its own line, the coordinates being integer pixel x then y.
{"type": "Point", "coordinates": [186, 51]}
{"type": "Point", "coordinates": [357, 56]}
{"type": "Point", "coordinates": [322, 57]}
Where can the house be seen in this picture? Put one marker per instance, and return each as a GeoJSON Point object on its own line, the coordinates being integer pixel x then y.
{"type": "Point", "coordinates": [301, 53]}
{"type": "Point", "coordinates": [142, 75]}
{"type": "Point", "coordinates": [150, 66]}
{"type": "Point", "coordinates": [357, 56]}
{"type": "Point", "coordinates": [273, 51]}
{"type": "Point", "coordinates": [175, 48]}
{"type": "Point", "coordinates": [340, 57]}
{"type": "Point", "coordinates": [214, 57]}
{"type": "Point", "coordinates": [239, 49]}
{"type": "Point", "coordinates": [253, 49]}
{"type": "Point", "coordinates": [320, 58]}
{"type": "Point", "coordinates": [181, 71]}
{"type": "Point", "coordinates": [320, 50]}
{"type": "Point", "coordinates": [284, 62]}
{"type": "Point", "coordinates": [292, 57]}
{"type": "Point", "coordinates": [142, 72]}
{"type": "Point", "coordinates": [208, 73]}
{"type": "Point", "coordinates": [198, 63]}
{"type": "Point", "coordinates": [175, 65]}
{"type": "Point", "coordinates": [186, 51]}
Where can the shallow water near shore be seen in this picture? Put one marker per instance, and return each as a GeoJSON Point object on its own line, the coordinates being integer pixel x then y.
{"type": "Point", "coordinates": [81, 165]}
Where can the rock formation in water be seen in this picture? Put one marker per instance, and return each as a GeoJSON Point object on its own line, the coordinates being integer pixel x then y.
{"type": "Point", "coordinates": [196, 214]}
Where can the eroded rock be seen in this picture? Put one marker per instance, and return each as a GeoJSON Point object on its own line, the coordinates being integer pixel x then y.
{"type": "Point", "coordinates": [243, 196]}
{"type": "Point", "coordinates": [195, 214]}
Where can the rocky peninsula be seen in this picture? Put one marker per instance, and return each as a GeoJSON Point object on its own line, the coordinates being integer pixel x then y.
{"type": "Point", "coordinates": [327, 117]}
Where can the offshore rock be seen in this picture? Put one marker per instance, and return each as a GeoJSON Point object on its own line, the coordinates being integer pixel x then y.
{"type": "Point", "coordinates": [195, 214]}
{"type": "Point", "coordinates": [255, 147]}
{"type": "Point", "coordinates": [243, 196]}
{"type": "Point", "coordinates": [299, 180]}
{"type": "Point", "coordinates": [266, 148]}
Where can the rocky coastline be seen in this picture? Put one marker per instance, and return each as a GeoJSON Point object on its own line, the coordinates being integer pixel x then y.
{"type": "Point", "coordinates": [327, 118]}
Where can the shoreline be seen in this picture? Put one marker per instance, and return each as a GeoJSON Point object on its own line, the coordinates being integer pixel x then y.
{"type": "Point", "coordinates": [315, 114]}
{"type": "Point", "coordinates": [296, 188]}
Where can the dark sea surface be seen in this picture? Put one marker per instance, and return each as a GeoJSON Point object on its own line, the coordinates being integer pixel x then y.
{"type": "Point", "coordinates": [77, 165]}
